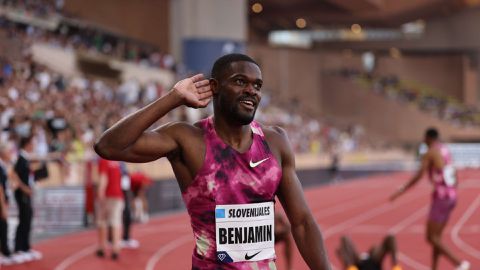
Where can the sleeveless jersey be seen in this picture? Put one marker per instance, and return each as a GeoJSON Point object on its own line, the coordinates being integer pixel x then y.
{"type": "Point", "coordinates": [228, 177]}
{"type": "Point", "coordinates": [443, 180]}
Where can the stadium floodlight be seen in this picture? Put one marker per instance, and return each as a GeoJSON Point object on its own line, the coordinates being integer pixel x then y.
{"type": "Point", "coordinates": [305, 39]}
{"type": "Point", "coordinates": [413, 29]}
{"type": "Point", "coordinates": [297, 39]}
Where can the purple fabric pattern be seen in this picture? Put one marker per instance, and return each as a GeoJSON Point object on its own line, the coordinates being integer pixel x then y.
{"type": "Point", "coordinates": [444, 196]}
{"type": "Point", "coordinates": [226, 177]}
{"type": "Point", "coordinates": [437, 177]}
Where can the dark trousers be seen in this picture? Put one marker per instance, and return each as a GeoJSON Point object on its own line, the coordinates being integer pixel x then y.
{"type": "Point", "coordinates": [25, 214]}
{"type": "Point", "coordinates": [127, 215]}
{"type": "Point", "coordinates": [3, 238]}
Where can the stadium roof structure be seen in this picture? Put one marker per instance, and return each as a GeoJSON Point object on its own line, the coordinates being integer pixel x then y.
{"type": "Point", "coordinates": [270, 15]}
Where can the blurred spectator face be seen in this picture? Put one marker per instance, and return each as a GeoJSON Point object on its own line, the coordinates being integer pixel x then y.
{"type": "Point", "coordinates": [29, 144]}
{"type": "Point", "coordinates": [4, 155]}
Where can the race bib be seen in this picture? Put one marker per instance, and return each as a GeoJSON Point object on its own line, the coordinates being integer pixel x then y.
{"type": "Point", "coordinates": [245, 232]}
{"type": "Point", "coordinates": [449, 175]}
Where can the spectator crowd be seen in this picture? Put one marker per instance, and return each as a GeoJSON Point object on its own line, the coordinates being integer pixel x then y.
{"type": "Point", "coordinates": [394, 88]}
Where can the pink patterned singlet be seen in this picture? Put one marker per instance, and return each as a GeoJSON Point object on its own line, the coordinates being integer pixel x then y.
{"type": "Point", "coordinates": [444, 195]}
{"type": "Point", "coordinates": [229, 177]}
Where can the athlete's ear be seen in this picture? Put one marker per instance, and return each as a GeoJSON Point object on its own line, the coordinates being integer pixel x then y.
{"type": "Point", "coordinates": [214, 85]}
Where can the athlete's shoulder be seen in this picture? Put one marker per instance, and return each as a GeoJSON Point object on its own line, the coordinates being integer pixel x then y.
{"type": "Point", "coordinates": [181, 129]}
{"type": "Point", "coordinates": [278, 142]}
{"type": "Point", "coordinates": [275, 135]}
{"type": "Point", "coordinates": [273, 131]}
{"type": "Point", "coordinates": [434, 149]}
{"type": "Point", "coordinates": [433, 153]}
{"type": "Point", "coordinates": [186, 135]}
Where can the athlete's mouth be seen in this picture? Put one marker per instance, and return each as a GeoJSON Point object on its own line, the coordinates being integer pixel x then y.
{"type": "Point", "coordinates": [248, 103]}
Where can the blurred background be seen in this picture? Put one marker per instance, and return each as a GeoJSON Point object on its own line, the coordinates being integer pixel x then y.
{"type": "Point", "coordinates": [354, 83]}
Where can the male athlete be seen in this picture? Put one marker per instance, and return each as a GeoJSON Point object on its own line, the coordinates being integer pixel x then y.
{"type": "Point", "coordinates": [372, 260]}
{"type": "Point", "coordinates": [438, 162]}
{"type": "Point", "coordinates": [229, 168]}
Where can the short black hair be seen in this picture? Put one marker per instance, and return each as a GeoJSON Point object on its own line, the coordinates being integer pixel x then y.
{"type": "Point", "coordinates": [224, 62]}
{"type": "Point", "coordinates": [432, 133]}
{"type": "Point", "coordinates": [24, 141]}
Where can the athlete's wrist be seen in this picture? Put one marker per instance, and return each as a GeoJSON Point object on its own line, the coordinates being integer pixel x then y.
{"type": "Point", "coordinates": [176, 96]}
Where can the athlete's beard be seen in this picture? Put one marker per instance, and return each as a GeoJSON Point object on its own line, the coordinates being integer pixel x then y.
{"type": "Point", "coordinates": [234, 114]}
{"type": "Point", "coordinates": [241, 118]}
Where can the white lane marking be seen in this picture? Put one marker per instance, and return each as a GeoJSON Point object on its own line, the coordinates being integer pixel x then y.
{"type": "Point", "coordinates": [412, 263]}
{"type": "Point", "coordinates": [454, 234]}
{"type": "Point", "coordinates": [401, 226]}
{"type": "Point", "coordinates": [165, 249]}
{"type": "Point", "coordinates": [89, 250]}
{"type": "Point", "coordinates": [75, 257]}
{"type": "Point", "coordinates": [375, 212]}
{"type": "Point", "coordinates": [365, 216]}
{"type": "Point", "coordinates": [409, 220]}
{"type": "Point", "coordinates": [339, 208]}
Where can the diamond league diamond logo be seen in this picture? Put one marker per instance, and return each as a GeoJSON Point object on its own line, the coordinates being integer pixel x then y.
{"type": "Point", "coordinates": [222, 256]}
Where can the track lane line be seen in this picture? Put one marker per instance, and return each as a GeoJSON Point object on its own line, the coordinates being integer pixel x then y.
{"type": "Point", "coordinates": [400, 227]}
{"type": "Point", "coordinates": [176, 244]}
{"type": "Point", "coordinates": [407, 260]}
{"type": "Point", "coordinates": [70, 260]}
{"type": "Point", "coordinates": [409, 220]}
{"type": "Point", "coordinates": [367, 215]}
{"type": "Point", "coordinates": [170, 246]}
{"type": "Point", "coordinates": [379, 211]}
{"type": "Point", "coordinates": [454, 233]}
{"type": "Point", "coordinates": [77, 256]}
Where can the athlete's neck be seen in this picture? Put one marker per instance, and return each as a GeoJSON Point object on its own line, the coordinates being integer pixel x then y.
{"type": "Point", "coordinates": [433, 143]}
{"type": "Point", "coordinates": [238, 137]}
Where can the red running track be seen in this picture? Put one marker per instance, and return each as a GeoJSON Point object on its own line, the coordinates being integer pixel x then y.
{"type": "Point", "coordinates": [359, 209]}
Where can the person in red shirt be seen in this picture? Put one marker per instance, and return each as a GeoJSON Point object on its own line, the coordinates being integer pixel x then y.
{"type": "Point", "coordinates": [109, 206]}
{"type": "Point", "coordinates": [139, 184]}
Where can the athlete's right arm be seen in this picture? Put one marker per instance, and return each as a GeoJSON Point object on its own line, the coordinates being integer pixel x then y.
{"type": "Point", "coordinates": [129, 140]}
{"type": "Point", "coordinates": [426, 161]}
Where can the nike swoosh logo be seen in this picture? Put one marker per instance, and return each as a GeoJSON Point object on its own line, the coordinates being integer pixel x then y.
{"type": "Point", "coordinates": [255, 164]}
{"type": "Point", "coordinates": [250, 257]}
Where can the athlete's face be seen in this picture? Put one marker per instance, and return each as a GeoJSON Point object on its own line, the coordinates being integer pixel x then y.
{"type": "Point", "coordinates": [429, 141]}
{"type": "Point", "coordinates": [238, 92]}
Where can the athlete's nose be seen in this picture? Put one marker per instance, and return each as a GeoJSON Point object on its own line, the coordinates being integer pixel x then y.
{"type": "Point", "coordinates": [250, 89]}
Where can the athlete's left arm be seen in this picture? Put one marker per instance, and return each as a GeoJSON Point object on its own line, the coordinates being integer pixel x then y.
{"type": "Point", "coordinates": [305, 230]}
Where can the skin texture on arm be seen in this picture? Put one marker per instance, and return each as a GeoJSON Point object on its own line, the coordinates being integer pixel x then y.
{"type": "Point", "coordinates": [3, 204]}
{"type": "Point", "coordinates": [129, 140]}
{"type": "Point", "coordinates": [304, 228]}
{"type": "Point", "coordinates": [426, 161]}
{"type": "Point", "coordinates": [102, 186]}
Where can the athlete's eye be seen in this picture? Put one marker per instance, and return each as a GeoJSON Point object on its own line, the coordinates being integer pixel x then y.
{"type": "Point", "coordinates": [257, 86]}
{"type": "Point", "coordinates": [240, 82]}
